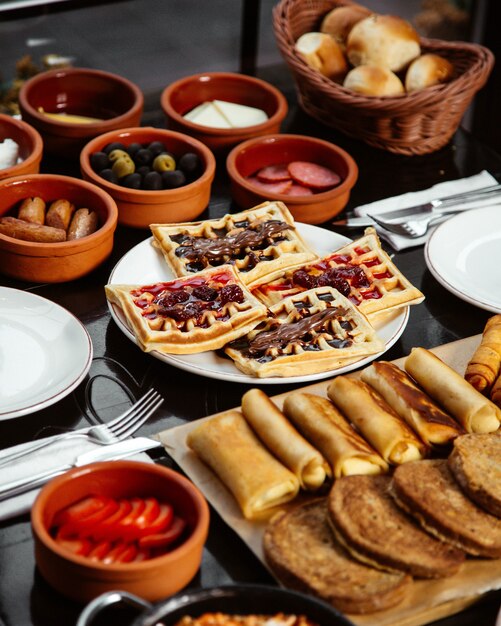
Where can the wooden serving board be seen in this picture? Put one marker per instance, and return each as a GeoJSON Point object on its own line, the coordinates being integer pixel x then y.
{"type": "Point", "coordinates": [429, 600]}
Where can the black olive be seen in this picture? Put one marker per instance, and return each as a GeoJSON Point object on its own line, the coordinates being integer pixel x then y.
{"type": "Point", "coordinates": [152, 181]}
{"type": "Point", "coordinates": [190, 164]}
{"type": "Point", "coordinates": [143, 157]}
{"type": "Point", "coordinates": [133, 148]}
{"type": "Point", "coordinates": [109, 175]}
{"type": "Point", "coordinates": [115, 145]}
{"type": "Point", "coordinates": [132, 181]}
{"type": "Point", "coordinates": [99, 161]}
{"type": "Point", "coordinates": [143, 170]}
{"type": "Point", "coordinates": [156, 147]}
{"type": "Point", "coordinates": [173, 179]}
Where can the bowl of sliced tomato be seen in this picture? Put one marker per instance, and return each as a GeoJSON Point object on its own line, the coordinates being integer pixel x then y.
{"type": "Point", "coordinates": [126, 525]}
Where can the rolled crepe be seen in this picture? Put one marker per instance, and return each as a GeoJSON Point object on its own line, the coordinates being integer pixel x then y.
{"type": "Point", "coordinates": [475, 412]}
{"type": "Point", "coordinates": [324, 426]}
{"type": "Point", "coordinates": [485, 364]}
{"type": "Point", "coordinates": [416, 408]}
{"type": "Point", "coordinates": [258, 481]}
{"type": "Point", "coordinates": [376, 420]}
{"type": "Point", "coordinates": [284, 441]}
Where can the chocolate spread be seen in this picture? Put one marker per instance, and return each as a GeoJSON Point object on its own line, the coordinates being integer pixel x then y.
{"type": "Point", "coordinates": [202, 248]}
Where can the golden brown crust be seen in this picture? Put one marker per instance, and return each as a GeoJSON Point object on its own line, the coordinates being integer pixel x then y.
{"type": "Point", "coordinates": [316, 330]}
{"type": "Point", "coordinates": [339, 21]}
{"type": "Point", "coordinates": [485, 364]}
{"type": "Point", "coordinates": [425, 417]}
{"type": "Point", "coordinates": [475, 462]}
{"type": "Point", "coordinates": [302, 551]}
{"type": "Point", "coordinates": [429, 492]}
{"type": "Point", "coordinates": [285, 248]}
{"type": "Point", "coordinates": [428, 70]}
{"type": "Point", "coordinates": [373, 280]}
{"type": "Point", "coordinates": [375, 530]}
{"type": "Point", "coordinates": [156, 328]}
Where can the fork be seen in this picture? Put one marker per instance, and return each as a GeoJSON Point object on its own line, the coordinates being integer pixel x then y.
{"type": "Point", "coordinates": [117, 429]}
{"type": "Point", "coordinates": [413, 228]}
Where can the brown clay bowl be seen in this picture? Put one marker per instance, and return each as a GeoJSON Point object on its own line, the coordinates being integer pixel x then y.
{"type": "Point", "coordinates": [61, 261]}
{"type": "Point", "coordinates": [252, 155]}
{"type": "Point", "coordinates": [114, 100]}
{"type": "Point", "coordinates": [183, 95]}
{"type": "Point", "coordinates": [138, 207]}
{"type": "Point", "coordinates": [29, 142]}
{"type": "Point", "coordinates": [82, 579]}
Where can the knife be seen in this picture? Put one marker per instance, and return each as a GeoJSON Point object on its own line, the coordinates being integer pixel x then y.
{"type": "Point", "coordinates": [439, 206]}
{"type": "Point", "coordinates": [109, 452]}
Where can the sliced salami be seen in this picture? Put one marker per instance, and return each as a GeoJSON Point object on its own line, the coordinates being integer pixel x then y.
{"type": "Point", "coordinates": [299, 190]}
{"type": "Point", "coordinates": [279, 187]}
{"type": "Point", "coordinates": [314, 176]}
{"type": "Point", "coordinates": [274, 173]}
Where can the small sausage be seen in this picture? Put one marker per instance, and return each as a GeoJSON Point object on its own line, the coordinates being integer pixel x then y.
{"type": "Point", "coordinates": [59, 214]}
{"type": "Point", "coordinates": [32, 210]}
{"type": "Point", "coordinates": [27, 231]}
{"type": "Point", "coordinates": [84, 223]}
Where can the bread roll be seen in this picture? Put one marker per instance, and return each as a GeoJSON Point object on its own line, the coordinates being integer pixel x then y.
{"type": "Point", "coordinates": [376, 420]}
{"type": "Point", "coordinates": [370, 80]}
{"type": "Point", "coordinates": [485, 364]}
{"type": "Point", "coordinates": [468, 406]}
{"type": "Point", "coordinates": [283, 440]}
{"type": "Point", "coordinates": [414, 406]}
{"type": "Point", "coordinates": [255, 477]}
{"type": "Point", "coordinates": [339, 21]}
{"type": "Point", "coordinates": [427, 70]}
{"type": "Point", "coordinates": [323, 54]}
{"type": "Point", "coordinates": [324, 426]}
{"type": "Point", "coordinates": [383, 40]}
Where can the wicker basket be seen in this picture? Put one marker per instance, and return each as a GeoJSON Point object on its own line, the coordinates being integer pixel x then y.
{"type": "Point", "coordinates": [410, 124]}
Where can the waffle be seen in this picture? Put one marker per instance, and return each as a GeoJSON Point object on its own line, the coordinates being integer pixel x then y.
{"type": "Point", "coordinates": [313, 331]}
{"type": "Point", "coordinates": [361, 271]}
{"type": "Point", "coordinates": [260, 243]}
{"type": "Point", "coordinates": [189, 314]}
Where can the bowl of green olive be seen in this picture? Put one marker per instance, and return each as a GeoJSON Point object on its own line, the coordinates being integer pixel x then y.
{"type": "Point", "coordinates": [154, 175]}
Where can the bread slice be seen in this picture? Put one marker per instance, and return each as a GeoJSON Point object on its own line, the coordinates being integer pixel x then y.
{"type": "Point", "coordinates": [428, 491]}
{"type": "Point", "coordinates": [368, 522]}
{"type": "Point", "coordinates": [475, 462]}
{"type": "Point", "coordinates": [303, 553]}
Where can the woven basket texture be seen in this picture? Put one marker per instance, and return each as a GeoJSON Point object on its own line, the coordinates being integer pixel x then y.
{"type": "Point", "coordinates": [412, 124]}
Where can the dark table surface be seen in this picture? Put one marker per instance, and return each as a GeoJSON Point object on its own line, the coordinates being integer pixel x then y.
{"type": "Point", "coordinates": [120, 371]}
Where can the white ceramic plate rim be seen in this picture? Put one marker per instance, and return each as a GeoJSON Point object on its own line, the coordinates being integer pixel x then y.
{"type": "Point", "coordinates": [445, 244]}
{"type": "Point", "coordinates": [146, 260]}
{"type": "Point", "coordinates": [81, 357]}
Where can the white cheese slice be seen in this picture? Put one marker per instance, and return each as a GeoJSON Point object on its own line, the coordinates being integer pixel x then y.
{"type": "Point", "coordinates": [240, 115]}
{"type": "Point", "coordinates": [206, 114]}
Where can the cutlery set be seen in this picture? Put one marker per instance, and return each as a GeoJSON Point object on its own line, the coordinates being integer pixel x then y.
{"type": "Point", "coordinates": [115, 439]}
{"type": "Point", "coordinates": [414, 221]}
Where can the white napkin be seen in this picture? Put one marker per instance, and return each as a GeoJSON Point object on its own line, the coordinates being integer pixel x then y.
{"type": "Point", "coordinates": [447, 188]}
{"type": "Point", "coordinates": [59, 452]}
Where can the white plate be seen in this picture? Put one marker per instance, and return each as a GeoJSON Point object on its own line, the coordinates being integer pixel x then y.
{"type": "Point", "coordinates": [45, 352]}
{"type": "Point", "coordinates": [464, 255]}
{"type": "Point", "coordinates": [143, 264]}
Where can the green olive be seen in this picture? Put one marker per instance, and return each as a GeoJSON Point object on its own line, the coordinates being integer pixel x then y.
{"type": "Point", "coordinates": [123, 166]}
{"type": "Point", "coordinates": [114, 155]}
{"type": "Point", "coordinates": [164, 163]}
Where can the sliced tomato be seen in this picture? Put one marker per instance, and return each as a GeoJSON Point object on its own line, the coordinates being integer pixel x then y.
{"type": "Point", "coordinates": [121, 552]}
{"type": "Point", "coordinates": [108, 527]}
{"type": "Point", "coordinates": [161, 522]}
{"type": "Point", "coordinates": [126, 527]}
{"type": "Point", "coordinates": [100, 550]}
{"type": "Point", "coordinates": [76, 545]}
{"type": "Point", "coordinates": [86, 525]}
{"type": "Point", "coordinates": [165, 538]}
{"type": "Point", "coordinates": [78, 510]}
{"type": "Point", "coordinates": [150, 512]}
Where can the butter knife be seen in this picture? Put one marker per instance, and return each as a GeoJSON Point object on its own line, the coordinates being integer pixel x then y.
{"type": "Point", "coordinates": [439, 206]}
{"type": "Point", "coordinates": [110, 452]}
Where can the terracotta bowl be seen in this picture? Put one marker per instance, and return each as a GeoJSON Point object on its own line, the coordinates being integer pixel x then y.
{"type": "Point", "coordinates": [82, 579]}
{"type": "Point", "coordinates": [61, 261]}
{"type": "Point", "coordinates": [29, 142]}
{"type": "Point", "coordinates": [183, 95]}
{"type": "Point", "coordinates": [139, 208]}
{"type": "Point", "coordinates": [114, 100]}
{"type": "Point", "coordinates": [252, 155]}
